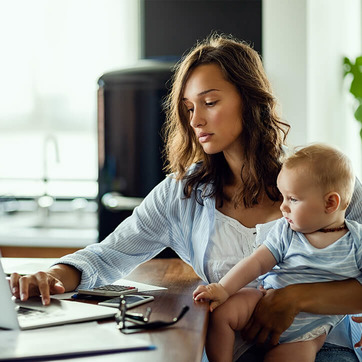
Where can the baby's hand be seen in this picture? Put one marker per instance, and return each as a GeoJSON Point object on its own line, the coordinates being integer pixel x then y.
{"type": "Point", "coordinates": [358, 320]}
{"type": "Point", "coordinates": [214, 292]}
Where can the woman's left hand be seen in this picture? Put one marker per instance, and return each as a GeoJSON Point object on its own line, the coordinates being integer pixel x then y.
{"type": "Point", "coordinates": [358, 320]}
{"type": "Point", "coordinates": [276, 311]}
{"type": "Point", "coordinates": [273, 314]}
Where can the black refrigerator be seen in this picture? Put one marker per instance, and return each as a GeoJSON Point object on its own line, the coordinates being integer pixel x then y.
{"type": "Point", "coordinates": [130, 144]}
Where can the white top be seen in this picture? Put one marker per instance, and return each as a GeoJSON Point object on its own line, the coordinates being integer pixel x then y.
{"type": "Point", "coordinates": [230, 242]}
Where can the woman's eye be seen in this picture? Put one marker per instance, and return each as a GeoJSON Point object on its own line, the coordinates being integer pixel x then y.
{"type": "Point", "coordinates": [210, 104]}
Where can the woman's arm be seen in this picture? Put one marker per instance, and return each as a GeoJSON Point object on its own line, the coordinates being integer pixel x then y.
{"type": "Point", "coordinates": [275, 312]}
{"type": "Point", "coordinates": [137, 239]}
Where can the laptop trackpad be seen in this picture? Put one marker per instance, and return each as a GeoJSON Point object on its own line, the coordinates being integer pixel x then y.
{"type": "Point", "coordinates": [32, 313]}
{"type": "Point", "coordinates": [34, 304]}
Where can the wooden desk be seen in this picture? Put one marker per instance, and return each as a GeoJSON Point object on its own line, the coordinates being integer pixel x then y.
{"type": "Point", "coordinates": [185, 341]}
{"type": "Point", "coordinates": [182, 342]}
{"type": "Point", "coordinates": [34, 251]}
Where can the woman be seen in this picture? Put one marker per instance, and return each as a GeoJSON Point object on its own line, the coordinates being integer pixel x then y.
{"type": "Point", "coordinates": [225, 148]}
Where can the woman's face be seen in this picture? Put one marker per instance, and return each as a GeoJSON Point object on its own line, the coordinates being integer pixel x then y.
{"type": "Point", "coordinates": [214, 108]}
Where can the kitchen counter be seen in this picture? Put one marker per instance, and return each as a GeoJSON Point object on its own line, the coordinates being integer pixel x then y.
{"type": "Point", "coordinates": [67, 231]}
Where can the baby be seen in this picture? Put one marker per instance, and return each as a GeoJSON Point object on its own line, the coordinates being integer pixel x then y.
{"type": "Point", "coordinates": [311, 243]}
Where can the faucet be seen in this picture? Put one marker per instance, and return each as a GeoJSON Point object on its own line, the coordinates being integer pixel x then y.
{"type": "Point", "coordinates": [46, 201]}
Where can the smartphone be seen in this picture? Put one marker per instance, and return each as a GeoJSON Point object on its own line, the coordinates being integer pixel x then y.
{"type": "Point", "coordinates": [112, 290]}
{"type": "Point", "coordinates": [131, 301]}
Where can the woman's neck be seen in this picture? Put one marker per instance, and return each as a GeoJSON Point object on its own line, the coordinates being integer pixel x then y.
{"type": "Point", "coordinates": [235, 162]}
{"type": "Point", "coordinates": [266, 210]}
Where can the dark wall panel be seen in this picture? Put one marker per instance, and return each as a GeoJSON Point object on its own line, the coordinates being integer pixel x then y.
{"type": "Point", "coordinates": [172, 26]}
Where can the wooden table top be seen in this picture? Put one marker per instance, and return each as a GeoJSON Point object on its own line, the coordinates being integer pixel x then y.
{"type": "Point", "coordinates": [183, 342]}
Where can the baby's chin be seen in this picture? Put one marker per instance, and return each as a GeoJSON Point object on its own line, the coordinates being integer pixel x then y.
{"type": "Point", "coordinates": [293, 227]}
{"type": "Point", "coordinates": [301, 229]}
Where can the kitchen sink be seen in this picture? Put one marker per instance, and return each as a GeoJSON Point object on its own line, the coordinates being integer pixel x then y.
{"type": "Point", "coordinates": [44, 227]}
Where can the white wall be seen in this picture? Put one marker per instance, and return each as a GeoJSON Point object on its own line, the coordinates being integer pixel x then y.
{"type": "Point", "coordinates": [304, 42]}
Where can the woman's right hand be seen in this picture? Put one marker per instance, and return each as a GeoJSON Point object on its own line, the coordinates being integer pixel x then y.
{"type": "Point", "coordinates": [40, 283]}
{"type": "Point", "coordinates": [58, 279]}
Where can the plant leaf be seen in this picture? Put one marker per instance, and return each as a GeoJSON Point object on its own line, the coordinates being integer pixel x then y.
{"type": "Point", "coordinates": [358, 113]}
{"type": "Point", "coordinates": [356, 84]}
{"type": "Point", "coordinates": [347, 66]}
{"type": "Point", "coordinates": [359, 61]}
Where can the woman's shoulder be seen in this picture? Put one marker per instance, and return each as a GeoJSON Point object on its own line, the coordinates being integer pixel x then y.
{"type": "Point", "coordinates": [354, 210]}
{"type": "Point", "coordinates": [355, 229]}
{"type": "Point", "coordinates": [174, 185]}
{"type": "Point", "coordinates": [193, 168]}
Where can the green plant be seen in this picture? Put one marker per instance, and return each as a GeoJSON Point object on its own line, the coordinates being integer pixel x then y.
{"type": "Point", "coordinates": [356, 84]}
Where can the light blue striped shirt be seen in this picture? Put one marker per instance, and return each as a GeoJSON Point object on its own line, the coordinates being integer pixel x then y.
{"type": "Point", "coordinates": [165, 218]}
{"type": "Point", "coordinates": [300, 262]}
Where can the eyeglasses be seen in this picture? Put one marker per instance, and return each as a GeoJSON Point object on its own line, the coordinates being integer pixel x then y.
{"type": "Point", "coordinates": [140, 321]}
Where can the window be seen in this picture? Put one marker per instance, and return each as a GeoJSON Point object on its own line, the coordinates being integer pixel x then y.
{"type": "Point", "coordinates": [53, 53]}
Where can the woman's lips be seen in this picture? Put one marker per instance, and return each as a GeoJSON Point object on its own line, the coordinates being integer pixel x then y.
{"type": "Point", "coordinates": [204, 137]}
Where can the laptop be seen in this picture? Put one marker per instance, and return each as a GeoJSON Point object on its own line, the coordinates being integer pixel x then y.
{"type": "Point", "coordinates": [18, 315]}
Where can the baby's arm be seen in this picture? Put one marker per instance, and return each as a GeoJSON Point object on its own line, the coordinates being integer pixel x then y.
{"type": "Point", "coordinates": [214, 292]}
{"type": "Point", "coordinates": [244, 272]}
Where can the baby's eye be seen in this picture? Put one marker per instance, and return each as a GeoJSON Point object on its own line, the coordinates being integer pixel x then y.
{"type": "Point", "coordinates": [292, 199]}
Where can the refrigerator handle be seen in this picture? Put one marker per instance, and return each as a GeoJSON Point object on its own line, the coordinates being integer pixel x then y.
{"type": "Point", "coordinates": [114, 201]}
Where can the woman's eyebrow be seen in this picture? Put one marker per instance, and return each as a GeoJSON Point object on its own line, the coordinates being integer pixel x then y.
{"type": "Point", "coordinates": [204, 92]}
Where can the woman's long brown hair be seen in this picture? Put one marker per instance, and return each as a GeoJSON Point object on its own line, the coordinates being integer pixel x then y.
{"type": "Point", "coordinates": [263, 134]}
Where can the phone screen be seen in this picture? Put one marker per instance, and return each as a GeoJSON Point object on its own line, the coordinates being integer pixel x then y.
{"type": "Point", "coordinates": [131, 301]}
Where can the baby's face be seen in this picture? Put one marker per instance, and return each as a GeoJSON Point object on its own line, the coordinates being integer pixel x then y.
{"type": "Point", "coordinates": [303, 201]}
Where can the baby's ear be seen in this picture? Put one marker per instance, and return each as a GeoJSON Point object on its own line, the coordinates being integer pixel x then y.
{"type": "Point", "coordinates": [332, 202]}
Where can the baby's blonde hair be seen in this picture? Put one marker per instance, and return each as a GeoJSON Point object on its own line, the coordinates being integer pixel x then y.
{"type": "Point", "coordinates": [330, 168]}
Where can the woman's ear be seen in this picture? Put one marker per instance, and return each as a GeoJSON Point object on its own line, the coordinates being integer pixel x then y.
{"type": "Point", "coordinates": [332, 202]}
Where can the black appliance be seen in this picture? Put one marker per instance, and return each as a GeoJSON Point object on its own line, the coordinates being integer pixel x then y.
{"type": "Point", "coordinates": [130, 118]}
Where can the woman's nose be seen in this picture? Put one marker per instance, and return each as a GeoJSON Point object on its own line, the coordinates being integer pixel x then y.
{"type": "Point", "coordinates": [197, 119]}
